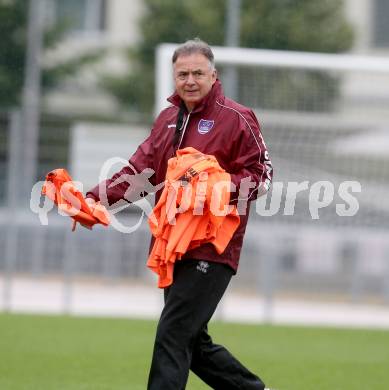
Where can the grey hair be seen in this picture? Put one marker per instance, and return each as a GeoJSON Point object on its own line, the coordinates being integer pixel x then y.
{"type": "Point", "coordinates": [193, 46]}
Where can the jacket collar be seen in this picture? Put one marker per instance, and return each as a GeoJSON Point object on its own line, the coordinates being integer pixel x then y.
{"type": "Point", "coordinates": [215, 93]}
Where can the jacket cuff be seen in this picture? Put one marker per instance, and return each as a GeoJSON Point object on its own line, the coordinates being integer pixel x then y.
{"type": "Point", "coordinates": [90, 195]}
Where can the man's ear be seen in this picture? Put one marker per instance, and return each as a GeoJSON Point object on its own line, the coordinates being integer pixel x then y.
{"type": "Point", "coordinates": [214, 76]}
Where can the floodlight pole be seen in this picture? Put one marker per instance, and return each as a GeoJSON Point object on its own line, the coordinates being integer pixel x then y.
{"type": "Point", "coordinates": [232, 38]}
{"type": "Point", "coordinates": [31, 95]}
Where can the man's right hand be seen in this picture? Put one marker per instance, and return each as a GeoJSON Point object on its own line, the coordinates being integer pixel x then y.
{"type": "Point", "coordinates": [90, 201]}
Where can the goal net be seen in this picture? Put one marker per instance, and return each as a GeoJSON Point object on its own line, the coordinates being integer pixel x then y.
{"type": "Point", "coordinates": [325, 119]}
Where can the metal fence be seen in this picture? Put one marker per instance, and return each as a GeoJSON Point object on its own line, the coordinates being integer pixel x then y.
{"type": "Point", "coordinates": [285, 256]}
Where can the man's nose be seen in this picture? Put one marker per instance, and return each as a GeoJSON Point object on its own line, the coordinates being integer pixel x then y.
{"type": "Point", "coordinates": [190, 79]}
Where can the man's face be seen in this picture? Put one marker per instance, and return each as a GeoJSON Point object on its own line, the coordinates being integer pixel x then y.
{"type": "Point", "coordinates": [194, 77]}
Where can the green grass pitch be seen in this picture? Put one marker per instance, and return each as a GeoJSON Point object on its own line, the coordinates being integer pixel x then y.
{"type": "Point", "coordinates": [74, 353]}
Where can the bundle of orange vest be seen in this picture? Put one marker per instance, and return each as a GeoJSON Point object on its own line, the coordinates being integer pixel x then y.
{"type": "Point", "coordinates": [60, 188]}
{"type": "Point", "coordinates": [193, 210]}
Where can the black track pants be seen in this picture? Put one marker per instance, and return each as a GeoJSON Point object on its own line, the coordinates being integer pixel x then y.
{"type": "Point", "coordinates": [182, 341]}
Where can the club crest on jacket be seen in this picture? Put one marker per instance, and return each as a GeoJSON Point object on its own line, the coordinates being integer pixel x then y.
{"type": "Point", "coordinates": [205, 126]}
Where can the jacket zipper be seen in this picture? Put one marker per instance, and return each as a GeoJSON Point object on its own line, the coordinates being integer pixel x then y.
{"type": "Point", "coordinates": [184, 129]}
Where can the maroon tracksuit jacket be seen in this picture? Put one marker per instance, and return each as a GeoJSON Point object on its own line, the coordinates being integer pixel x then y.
{"type": "Point", "coordinates": [218, 126]}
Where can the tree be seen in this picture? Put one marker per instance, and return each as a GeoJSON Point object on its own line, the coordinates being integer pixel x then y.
{"type": "Point", "coordinates": [307, 25]}
{"type": "Point", "coordinates": [13, 20]}
{"type": "Point", "coordinates": [13, 27]}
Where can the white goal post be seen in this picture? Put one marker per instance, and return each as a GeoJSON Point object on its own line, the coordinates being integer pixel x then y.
{"type": "Point", "coordinates": [325, 119]}
{"type": "Point", "coordinates": [260, 57]}
{"type": "Point", "coordinates": [343, 98]}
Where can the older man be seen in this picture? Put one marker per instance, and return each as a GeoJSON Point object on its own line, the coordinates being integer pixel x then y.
{"type": "Point", "coordinates": [200, 116]}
